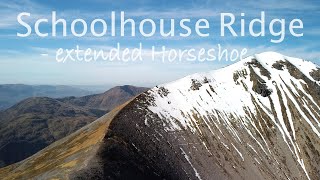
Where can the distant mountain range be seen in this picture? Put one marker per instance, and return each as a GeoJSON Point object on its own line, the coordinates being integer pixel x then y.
{"type": "Point", "coordinates": [11, 94]}
{"type": "Point", "coordinates": [36, 122]}
{"type": "Point", "coordinates": [106, 101]}
{"type": "Point", "coordinates": [256, 119]}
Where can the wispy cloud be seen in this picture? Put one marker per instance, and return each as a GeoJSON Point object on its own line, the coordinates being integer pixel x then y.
{"type": "Point", "coordinates": [10, 9]}
{"type": "Point", "coordinates": [275, 5]}
{"type": "Point", "coordinates": [25, 55]}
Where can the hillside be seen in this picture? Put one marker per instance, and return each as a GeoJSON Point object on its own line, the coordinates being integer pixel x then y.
{"type": "Point", "coordinates": [107, 100]}
{"type": "Point", "coordinates": [256, 119]}
{"type": "Point", "coordinates": [34, 123]}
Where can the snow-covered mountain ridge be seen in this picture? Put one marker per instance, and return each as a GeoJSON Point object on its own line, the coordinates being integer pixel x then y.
{"type": "Point", "coordinates": [263, 97]}
{"type": "Point", "coordinates": [255, 119]}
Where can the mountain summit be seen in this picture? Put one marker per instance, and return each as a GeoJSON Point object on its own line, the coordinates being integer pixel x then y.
{"type": "Point", "coordinates": [256, 119]}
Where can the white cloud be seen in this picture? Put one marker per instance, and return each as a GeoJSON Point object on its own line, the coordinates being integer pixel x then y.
{"type": "Point", "coordinates": [10, 9]}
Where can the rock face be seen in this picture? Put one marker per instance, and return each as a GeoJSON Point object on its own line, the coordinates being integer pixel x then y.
{"type": "Point", "coordinates": [256, 119]}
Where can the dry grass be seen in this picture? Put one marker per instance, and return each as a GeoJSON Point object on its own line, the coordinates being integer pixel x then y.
{"type": "Point", "coordinates": [62, 157]}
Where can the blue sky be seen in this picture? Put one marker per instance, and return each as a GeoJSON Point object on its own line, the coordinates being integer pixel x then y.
{"type": "Point", "coordinates": [21, 60]}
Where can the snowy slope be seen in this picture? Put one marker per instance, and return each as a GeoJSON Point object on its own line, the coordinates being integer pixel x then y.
{"type": "Point", "coordinates": [256, 119]}
{"type": "Point", "coordinates": [277, 88]}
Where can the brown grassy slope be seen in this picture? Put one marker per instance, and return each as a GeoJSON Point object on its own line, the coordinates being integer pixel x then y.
{"type": "Point", "coordinates": [35, 123]}
{"type": "Point", "coordinates": [64, 156]}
